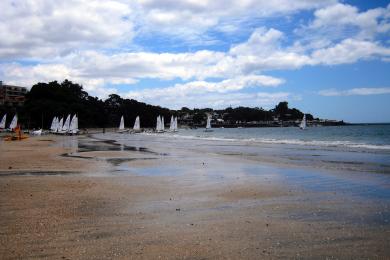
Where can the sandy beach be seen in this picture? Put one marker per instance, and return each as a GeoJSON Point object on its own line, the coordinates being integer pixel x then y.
{"type": "Point", "coordinates": [89, 197]}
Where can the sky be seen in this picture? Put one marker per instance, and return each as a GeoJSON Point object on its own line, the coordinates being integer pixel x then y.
{"type": "Point", "coordinates": [330, 58]}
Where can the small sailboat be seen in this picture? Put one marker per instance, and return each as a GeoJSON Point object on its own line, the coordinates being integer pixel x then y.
{"type": "Point", "coordinates": [53, 124]}
{"type": "Point", "coordinates": [59, 125]}
{"type": "Point", "coordinates": [74, 126]}
{"type": "Point", "coordinates": [56, 125]}
{"type": "Point", "coordinates": [13, 123]}
{"type": "Point", "coordinates": [2, 122]}
{"type": "Point", "coordinates": [122, 126]}
{"type": "Point", "coordinates": [137, 125]}
{"type": "Point", "coordinates": [302, 125]}
{"type": "Point", "coordinates": [175, 124]}
{"type": "Point", "coordinates": [171, 124]}
{"type": "Point", "coordinates": [208, 124]}
{"type": "Point", "coordinates": [37, 132]}
{"type": "Point", "coordinates": [160, 124]}
{"type": "Point", "coordinates": [65, 127]}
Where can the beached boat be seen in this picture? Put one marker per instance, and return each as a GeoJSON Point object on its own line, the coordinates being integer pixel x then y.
{"type": "Point", "coordinates": [59, 125]}
{"type": "Point", "coordinates": [63, 129]}
{"type": "Point", "coordinates": [160, 125]}
{"type": "Point", "coordinates": [54, 125]}
{"type": "Point", "coordinates": [208, 124]}
{"type": "Point", "coordinates": [175, 124]}
{"type": "Point", "coordinates": [121, 128]}
{"type": "Point", "coordinates": [303, 123]}
{"type": "Point", "coordinates": [137, 125]}
{"type": "Point", "coordinates": [13, 123]}
{"type": "Point", "coordinates": [172, 125]}
{"type": "Point", "coordinates": [2, 122]}
{"type": "Point", "coordinates": [70, 127]}
{"type": "Point", "coordinates": [37, 132]}
{"type": "Point", "coordinates": [74, 126]}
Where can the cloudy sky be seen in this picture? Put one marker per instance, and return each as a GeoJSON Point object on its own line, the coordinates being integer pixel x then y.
{"type": "Point", "coordinates": [330, 58]}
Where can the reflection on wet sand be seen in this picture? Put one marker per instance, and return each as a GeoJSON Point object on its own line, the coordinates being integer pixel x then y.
{"type": "Point", "coordinates": [149, 197]}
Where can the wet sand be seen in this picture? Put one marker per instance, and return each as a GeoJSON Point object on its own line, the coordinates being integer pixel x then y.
{"type": "Point", "coordinates": [83, 198]}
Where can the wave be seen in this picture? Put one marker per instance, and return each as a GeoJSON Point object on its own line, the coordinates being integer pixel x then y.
{"type": "Point", "coordinates": [321, 143]}
{"type": "Point", "coordinates": [326, 143]}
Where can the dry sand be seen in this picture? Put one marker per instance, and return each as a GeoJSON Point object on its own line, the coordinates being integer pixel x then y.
{"type": "Point", "coordinates": [58, 207]}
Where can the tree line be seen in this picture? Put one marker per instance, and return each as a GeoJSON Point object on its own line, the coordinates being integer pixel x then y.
{"type": "Point", "coordinates": [47, 100]}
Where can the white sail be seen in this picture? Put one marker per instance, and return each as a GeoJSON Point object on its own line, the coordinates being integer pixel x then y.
{"type": "Point", "coordinates": [208, 124]}
{"type": "Point", "coordinates": [175, 124]}
{"type": "Point", "coordinates": [159, 124]}
{"type": "Point", "coordinates": [71, 124]}
{"type": "Point", "coordinates": [14, 122]}
{"type": "Point", "coordinates": [122, 124]}
{"type": "Point", "coordinates": [59, 126]}
{"type": "Point", "coordinates": [172, 124]}
{"type": "Point", "coordinates": [56, 124]}
{"type": "Point", "coordinates": [137, 125]}
{"type": "Point", "coordinates": [76, 124]}
{"type": "Point", "coordinates": [66, 125]}
{"type": "Point", "coordinates": [162, 124]}
{"type": "Point", "coordinates": [2, 123]}
{"type": "Point", "coordinates": [73, 128]}
{"type": "Point", "coordinates": [53, 124]}
{"type": "Point", "coordinates": [303, 123]}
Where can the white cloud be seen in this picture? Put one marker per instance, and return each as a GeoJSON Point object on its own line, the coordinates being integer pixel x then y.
{"type": "Point", "coordinates": [29, 75]}
{"type": "Point", "coordinates": [340, 19]}
{"type": "Point", "coordinates": [349, 51]}
{"type": "Point", "coordinates": [354, 92]}
{"type": "Point", "coordinates": [262, 52]}
{"type": "Point", "coordinates": [43, 28]}
{"type": "Point", "coordinates": [202, 87]}
{"type": "Point", "coordinates": [87, 41]}
{"type": "Point", "coordinates": [165, 66]}
{"type": "Point", "coordinates": [213, 94]}
{"type": "Point", "coordinates": [160, 16]}
{"type": "Point", "coordinates": [261, 42]}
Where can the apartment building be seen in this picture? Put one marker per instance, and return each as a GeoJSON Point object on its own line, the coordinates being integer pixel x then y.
{"type": "Point", "coordinates": [12, 95]}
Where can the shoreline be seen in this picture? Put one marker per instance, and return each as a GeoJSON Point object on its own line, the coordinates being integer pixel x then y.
{"type": "Point", "coordinates": [147, 197]}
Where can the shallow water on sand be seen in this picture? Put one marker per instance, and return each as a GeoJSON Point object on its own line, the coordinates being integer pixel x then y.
{"type": "Point", "coordinates": [365, 160]}
{"type": "Point", "coordinates": [353, 179]}
{"type": "Point", "coordinates": [351, 173]}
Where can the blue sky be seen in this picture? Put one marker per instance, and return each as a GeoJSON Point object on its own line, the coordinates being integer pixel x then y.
{"type": "Point", "coordinates": [330, 58]}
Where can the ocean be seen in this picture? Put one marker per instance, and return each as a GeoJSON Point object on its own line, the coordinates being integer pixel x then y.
{"type": "Point", "coordinates": [362, 137]}
{"type": "Point", "coordinates": [362, 148]}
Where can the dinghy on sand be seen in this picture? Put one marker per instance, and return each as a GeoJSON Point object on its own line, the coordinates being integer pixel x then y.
{"type": "Point", "coordinates": [121, 128]}
{"type": "Point", "coordinates": [137, 125]}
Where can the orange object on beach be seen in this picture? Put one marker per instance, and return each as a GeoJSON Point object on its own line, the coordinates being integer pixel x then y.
{"type": "Point", "coordinates": [18, 135]}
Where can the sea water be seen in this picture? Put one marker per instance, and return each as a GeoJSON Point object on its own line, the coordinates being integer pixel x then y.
{"type": "Point", "coordinates": [370, 137]}
{"type": "Point", "coordinates": [364, 148]}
